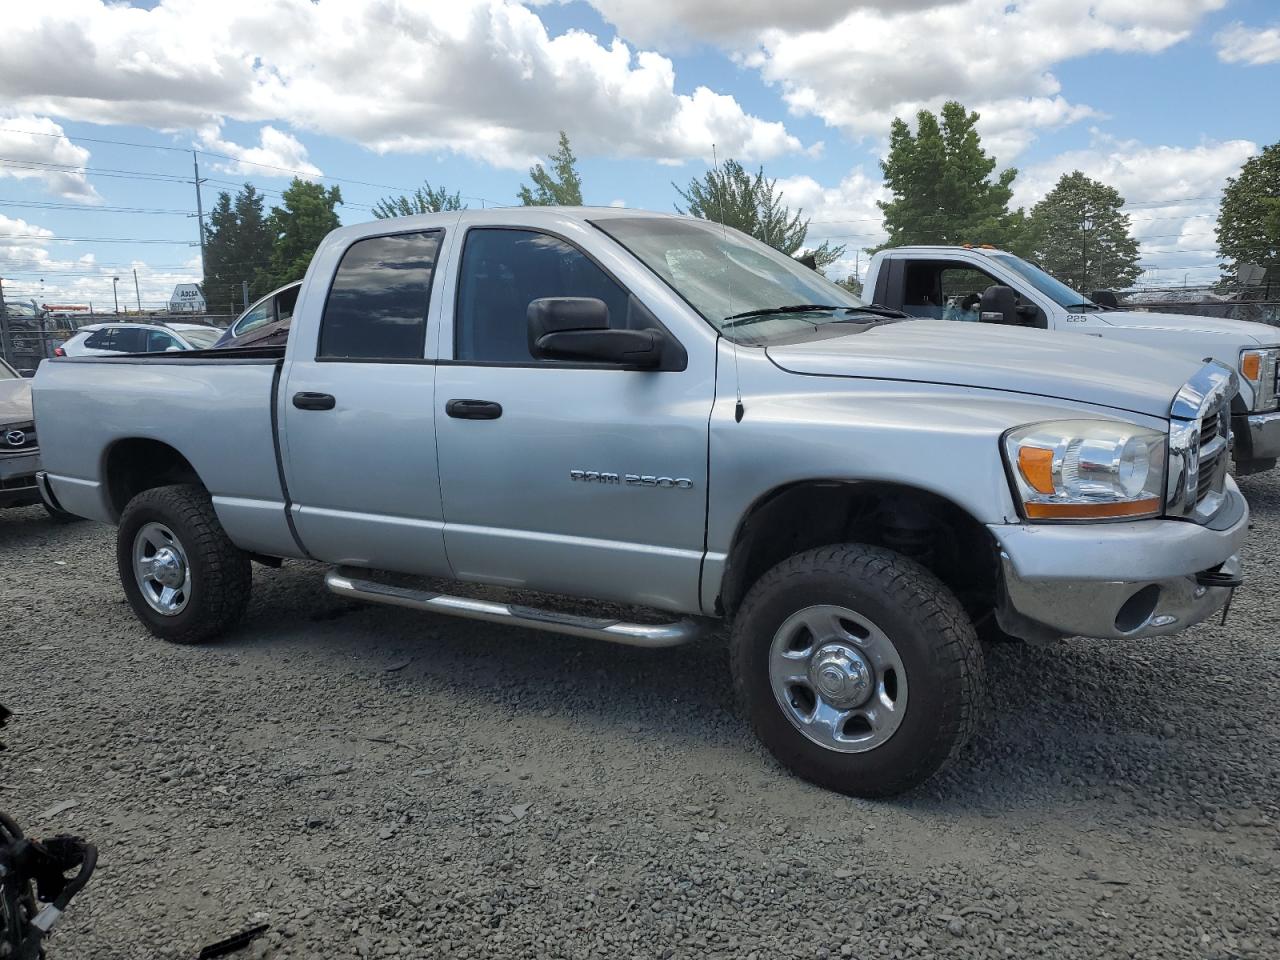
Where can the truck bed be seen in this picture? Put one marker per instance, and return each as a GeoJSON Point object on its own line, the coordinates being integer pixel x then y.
{"type": "Point", "coordinates": [215, 408]}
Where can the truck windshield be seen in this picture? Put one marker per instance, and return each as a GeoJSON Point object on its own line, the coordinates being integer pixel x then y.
{"type": "Point", "coordinates": [724, 274]}
{"type": "Point", "coordinates": [1055, 290]}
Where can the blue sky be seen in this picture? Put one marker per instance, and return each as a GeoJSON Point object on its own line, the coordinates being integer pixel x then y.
{"type": "Point", "coordinates": [1163, 103]}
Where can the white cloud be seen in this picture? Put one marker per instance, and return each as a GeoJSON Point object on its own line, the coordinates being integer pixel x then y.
{"type": "Point", "coordinates": [33, 270]}
{"type": "Point", "coordinates": [1171, 195]}
{"type": "Point", "coordinates": [730, 22]}
{"type": "Point", "coordinates": [856, 64]}
{"type": "Point", "coordinates": [1250, 45]}
{"type": "Point", "coordinates": [844, 214]}
{"type": "Point", "coordinates": [278, 154]}
{"type": "Point", "coordinates": [35, 148]}
{"type": "Point", "coordinates": [479, 77]}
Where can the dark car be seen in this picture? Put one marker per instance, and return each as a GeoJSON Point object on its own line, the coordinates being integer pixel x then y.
{"type": "Point", "coordinates": [264, 324]}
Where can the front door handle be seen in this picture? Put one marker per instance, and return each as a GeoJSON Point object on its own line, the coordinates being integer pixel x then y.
{"type": "Point", "coordinates": [473, 409]}
{"type": "Point", "coordinates": [314, 401]}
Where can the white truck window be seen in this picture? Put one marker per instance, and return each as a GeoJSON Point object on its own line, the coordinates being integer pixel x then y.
{"type": "Point", "coordinates": [377, 306]}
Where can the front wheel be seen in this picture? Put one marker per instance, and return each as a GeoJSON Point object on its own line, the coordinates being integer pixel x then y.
{"type": "Point", "coordinates": [857, 668]}
{"type": "Point", "coordinates": [183, 576]}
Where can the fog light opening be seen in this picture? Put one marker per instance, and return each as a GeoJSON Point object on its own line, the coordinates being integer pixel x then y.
{"type": "Point", "coordinates": [1137, 610]}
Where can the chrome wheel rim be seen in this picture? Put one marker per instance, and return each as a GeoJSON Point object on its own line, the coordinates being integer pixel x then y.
{"type": "Point", "coordinates": [161, 569]}
{"type": "Point", "coordinates": [838, 678]}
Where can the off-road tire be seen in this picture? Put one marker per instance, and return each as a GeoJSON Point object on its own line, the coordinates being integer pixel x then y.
{"type": "Point", "coordinates": [221, 577]}
{"type": "Point", "coordinates": [934, 638]}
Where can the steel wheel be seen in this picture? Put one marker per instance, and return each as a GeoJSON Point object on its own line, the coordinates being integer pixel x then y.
{"type": "Point", "coordinates": [838, 678]}
{"type": "Point", "coordinates": [161, 568]}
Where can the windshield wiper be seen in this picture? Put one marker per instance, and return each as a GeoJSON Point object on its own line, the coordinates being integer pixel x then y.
{"type": "Point", "coordinates": [772, 311]}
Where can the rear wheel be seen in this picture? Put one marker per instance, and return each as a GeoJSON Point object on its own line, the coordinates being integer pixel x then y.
{"type": "Point", "coordinates": [183, 576]}
{"type": "Point", "coordinates": [858, 669]}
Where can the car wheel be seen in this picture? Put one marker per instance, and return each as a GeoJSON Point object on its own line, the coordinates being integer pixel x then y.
{"type": "Point", "coordinates": [857, 668]}
{"type": "Point", "coordinates": [183, 576]}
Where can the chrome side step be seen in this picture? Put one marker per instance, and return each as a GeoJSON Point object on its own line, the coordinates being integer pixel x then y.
{"type": "Point", "coordinates": [347, 582]}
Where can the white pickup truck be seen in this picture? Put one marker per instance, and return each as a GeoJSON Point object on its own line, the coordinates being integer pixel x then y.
{"type": "Point", "coordinates": [983, 284]}
{"type": "Point", "coordinates": [656, 411]}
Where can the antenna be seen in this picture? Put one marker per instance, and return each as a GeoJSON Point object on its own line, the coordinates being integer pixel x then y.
{"type": "Point", "coordinates": [738, 409]}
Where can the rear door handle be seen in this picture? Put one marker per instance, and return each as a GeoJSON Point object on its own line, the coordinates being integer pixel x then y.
{"type": "Point", "coordinates": [473, 409]}
{"type": "Point", "coordinates": [314, 401]}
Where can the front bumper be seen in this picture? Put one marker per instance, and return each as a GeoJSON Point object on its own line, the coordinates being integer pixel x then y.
{"type": "Point", "coordinates": [1257, 437]}
{"type": "Point", "coordinates": [1117, 581]}
{"type": "Point", "coordinates": [18, 479]}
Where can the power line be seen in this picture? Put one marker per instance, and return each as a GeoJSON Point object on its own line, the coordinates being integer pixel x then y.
{"type": "Point", "coordinates": [36, 236]}
{"type": "Point", "coordinates": [87, 208]}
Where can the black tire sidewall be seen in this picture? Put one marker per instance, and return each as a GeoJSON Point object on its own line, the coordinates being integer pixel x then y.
{"type": "Point", "coordinates": [919, 743]}
{"type": "Point", "coordinates": [148, 507]}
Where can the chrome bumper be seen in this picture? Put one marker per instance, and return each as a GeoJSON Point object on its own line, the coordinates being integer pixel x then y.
{"type": "Point", "coordinates": [1147, 578]}
{"type": "Point", "coordinates": [1264, 435]}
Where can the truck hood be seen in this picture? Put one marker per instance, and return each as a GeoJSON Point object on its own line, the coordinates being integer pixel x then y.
{"type": "Point", "coordinates": [1064, 366]}
{"type": "Point", "coordinates": [1244, 332]}
{"type": "Point", "coordinates": [15, 401]}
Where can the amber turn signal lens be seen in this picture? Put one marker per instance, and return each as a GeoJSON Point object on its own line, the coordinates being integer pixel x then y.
{"type": "Point", "coordinates": [1251, 366]}
{"type": "Point", "coordinates": [1036, 466]}
{"type": "Point", "coordinates": [1092, 511]}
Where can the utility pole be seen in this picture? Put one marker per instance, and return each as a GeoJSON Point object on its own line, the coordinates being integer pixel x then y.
{"type": "Point", "coordinates": [195, 162]}
{"type": "Point", "coordinates": [245, 285]}
{"type": "Point", "coordinates": [136, 292]}
{"type": "Point", "coordinates": [114, 293]}
{"type": "Point", "coordinates": [6, 344]}
{"type": "Point", "coordinates": [1086, 224]}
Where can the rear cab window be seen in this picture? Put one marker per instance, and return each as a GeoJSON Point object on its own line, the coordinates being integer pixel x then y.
{"type": "Point", "coordinates": [377, 306]}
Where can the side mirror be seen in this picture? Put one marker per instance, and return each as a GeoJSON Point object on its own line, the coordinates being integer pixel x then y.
{"type": "Point", "coordinates": [1000, 305]}
{"type": "Point", "coordinates": [172, 349]}
{"type": "Point", "coordinates": [577, 328]}
{"type": "Point", "coordinates": [1105, 298]}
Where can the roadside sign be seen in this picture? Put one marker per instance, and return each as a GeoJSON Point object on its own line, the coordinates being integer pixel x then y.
{"type": "Point", "coordinates": [187, 298]}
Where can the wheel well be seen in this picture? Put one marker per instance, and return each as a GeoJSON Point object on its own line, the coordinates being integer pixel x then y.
{"type": "Point", "coordinates": [928, 528]}
{"type": "Point", "coordinates": [135, 465]}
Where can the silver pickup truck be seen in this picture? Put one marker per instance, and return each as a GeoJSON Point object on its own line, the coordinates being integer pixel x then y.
{"type": "Point", "coordinates": [661, 413]}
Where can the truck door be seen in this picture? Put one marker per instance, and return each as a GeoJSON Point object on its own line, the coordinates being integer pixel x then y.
{"type": "Point", "coordinates": [585, 479]}
{"type": "Point", "coordinates": [358, 436]}
{"type": "Point", "coordinates": [952, 290]}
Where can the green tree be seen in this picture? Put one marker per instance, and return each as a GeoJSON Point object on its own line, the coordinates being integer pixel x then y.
{"type": "Point", "coordinates": [940, 178]}
{"type": "Point", "coordinates": [1079, 235]}
{"type": "Point", "coordinates": [1249, 218]}
{"type": "Point", "coordinates": [237, 243]}
{"type": "Point", "coordinates": [752, 203]}
{"type": "Point", "coordinates": [298, 227]}
{"type": "Point", "coordinates": [426, 199]}
{"type": "Point", "coordinates": [562, 187]}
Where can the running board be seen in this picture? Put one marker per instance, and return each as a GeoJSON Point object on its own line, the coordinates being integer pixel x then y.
{"type": "Point", "coordinates": [346, 582]}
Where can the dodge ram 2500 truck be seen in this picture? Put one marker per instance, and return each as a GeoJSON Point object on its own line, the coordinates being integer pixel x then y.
{"type": "Point", "coordinates": [983, 284]}
{"type": "Point", "coordinates": [659, 412]}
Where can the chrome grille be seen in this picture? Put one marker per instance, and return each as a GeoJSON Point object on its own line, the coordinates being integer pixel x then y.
{"type": "Point", "coordinates": [1200, 444]}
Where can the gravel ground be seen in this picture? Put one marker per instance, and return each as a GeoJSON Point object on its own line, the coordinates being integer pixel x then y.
{"type": "Point", "coordinates": [375, 783]}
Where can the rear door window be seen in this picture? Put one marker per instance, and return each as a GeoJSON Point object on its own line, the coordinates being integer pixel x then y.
{"type": "Point", "coordinates": [377, 306]}
{"type": "Point", "coordinates": [129, 340]}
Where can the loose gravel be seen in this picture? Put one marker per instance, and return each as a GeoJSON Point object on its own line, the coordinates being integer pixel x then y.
{"type": "Point", "coordinates": [377, 783]}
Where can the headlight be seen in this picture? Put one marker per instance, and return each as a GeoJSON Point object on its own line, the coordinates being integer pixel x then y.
{"type": "Point", "coordinates": [1087, 470]}
{"type": "Point", "coordinates": [1259, 368]}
